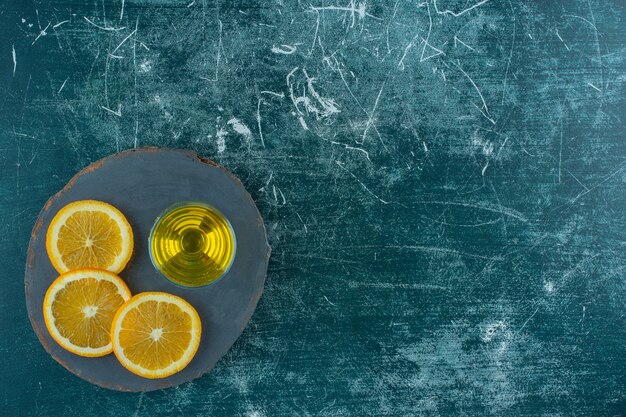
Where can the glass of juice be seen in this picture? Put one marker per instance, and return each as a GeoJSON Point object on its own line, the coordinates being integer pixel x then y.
{"type": "Point", "coordinates": [192, 244]}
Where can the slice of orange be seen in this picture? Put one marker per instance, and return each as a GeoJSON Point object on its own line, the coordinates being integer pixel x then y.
{"type": "Point", "coordinates": [89, 234]}
{"type": "Point", "coordinates": [155, 334]}
{"type": "Point", "coordinates": [79, 307]}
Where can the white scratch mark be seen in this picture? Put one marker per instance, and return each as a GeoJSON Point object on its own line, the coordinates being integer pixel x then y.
{"type": "Point", "coordinates": [118, 112]}
{"type": "Point", "coordinates": [506, 139]}
{"type": "Point", "coordinates": [281, 95]}
{"type": "Point", "coordinates": [483, 206]}
{"type": "Point", "coordinates": [599, 184]}
{"type": "Point", "coordinates": [317, 27]}
{"type": "Point", "coordinates": [182, 127]}
{"type": "Point", "coordinates": [561, 39]}
{"type": "Point", "coordinates": [239, 127]}
{"type": "Point", "coordinates": [38, 22]}
{"type": "Point", "coordinates": [354, 10]}
{"type": "Point", "coordinates": [135, 81]}
{"type": "Point", "coordinates": [430, 28]}
{"type": "Point", "coordinates": [527, 320]}
{"type": "Point", "coordinates": [42, 33]}
{"type": "Point", "coordinates": [486, 115]}
{"type": "Point", "coordinates": [136, 130]}
{"type": "Point", "coordinates": [258, 121]}
{"type": "Point", "coordinates": [191, 4]}
{"type": "Point", "coordinates": [123, 41]}
{"type": "Point", "coordinates": [467, 225]}
{"type": "Point", "coordinates": [328, 106]}
{"type": "Point", "coordinates": [436, 249]}
{"type": "Point", "coordinates": [306, 229]}
{"type": "Point", "coordinates": [23, 134]}
{"type": "Point", "coordinates": [14, 59]}
{"type": "Point", "coordinates": [32, 158]}
{"type": "Point", "coordinates": [371, 116]}
{"type": "Point", "coordinates": [508, 63]}
{"type": "Point", "coordinates": [284, 49]}
{"type": "Point", "coordinates": [594, 87]}
{"type": "Point", "coordinates": [282, 196]}
{"type": "Point", "coordinates": [457, 14]}
{"type": "Point", "coordinates": [264, 188]}
{"type": "Point", "coordinates": [274, 188]}
{"type": "Point", "coordinates": [393, 16]}
{"type": "Point", "coordinates": [59, 24]}
{"type": "Point", "coordinates": [475, 86]}
{"type": "Point", "coordinates": [367, 155]}
{"type": "Point", "coordinates": [362, 185]}
{"type": "Point", "coordinates": [221, 142]}
{"type": "Point", "coordinates": [138, 407]}
{"type": "Point", "coordinates": [406, 51]}
{"type": "Point", "coordinates": [218, 58]}
{"type": "Point", "coordinates": [335, 68]}
{"type": "Point", "coordinates": [107, 28]}
{"type": "Point", "coordinates": [303, 122]}
{"type": "Point", "coordinates": [583, 19]}
{"type": "Point", "coordinates": [582, 320]}
{"type": "Point", "coordinates": [560, 149]}
{"type": "Point", "coordinates": [484, 169]}
{"type": "Point", "coordinates": [329, 302]}
{"type": "Point", "coordinates": [578, 266]}
{"type": "Point", "coordinates": [462, 43]}
{"type": "Point", "coordinates": [577, 180]}
{"type": "Point", "coordinates": [63, 85]}
{"type": "Point", "coordinates": [391, 285]}
{"type": "Point", "coordinates": [122, 11]}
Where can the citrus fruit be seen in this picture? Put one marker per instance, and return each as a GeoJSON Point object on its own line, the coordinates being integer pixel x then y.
{"type": "Point", "coordinates": [79, 307]}
{"type": "Point", "coordinates": [89, 234]}
{"type": "Point", "coordinates": [155, 334]}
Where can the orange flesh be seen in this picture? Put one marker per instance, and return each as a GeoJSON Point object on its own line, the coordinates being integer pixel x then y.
{"type": "Point", "coordinates": [89, 239]}
{"type": "Point", "coordinates": [83, 311]}
{"type": "Point", "coordinates": [141, 326]}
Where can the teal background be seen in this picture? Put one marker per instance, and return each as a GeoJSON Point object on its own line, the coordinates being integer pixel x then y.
{"type": "Point", "coordinates": [442, 185]}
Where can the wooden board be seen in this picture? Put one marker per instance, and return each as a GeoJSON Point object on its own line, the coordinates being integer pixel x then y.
{"type": "Point", "coordinates": [142, 183]}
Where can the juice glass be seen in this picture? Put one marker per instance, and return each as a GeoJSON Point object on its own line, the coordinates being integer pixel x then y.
{"type": "Point", "coordinates": [192, 244]}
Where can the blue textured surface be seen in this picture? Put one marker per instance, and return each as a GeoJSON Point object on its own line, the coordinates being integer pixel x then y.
{"type": "Point", "coordinates": [442, 184]}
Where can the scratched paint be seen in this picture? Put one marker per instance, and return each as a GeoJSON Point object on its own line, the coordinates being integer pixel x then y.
{"type": "Point", "coordinates": [442, 183]}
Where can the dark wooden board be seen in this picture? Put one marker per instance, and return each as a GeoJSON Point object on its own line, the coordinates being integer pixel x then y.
{"type": "Point", "coordinates": [142, 183]}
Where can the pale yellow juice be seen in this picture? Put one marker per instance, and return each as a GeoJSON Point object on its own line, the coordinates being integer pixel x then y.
{"type": "Point", "coordinates": [192, 244]}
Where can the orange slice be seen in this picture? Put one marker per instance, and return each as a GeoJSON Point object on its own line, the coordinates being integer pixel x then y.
{"type": "Point", "coordinates": [155, 334]}
{"type": "Point", "coordinates": [79, 307]}
{"type": "Point", "coordinates": [89, 234]}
